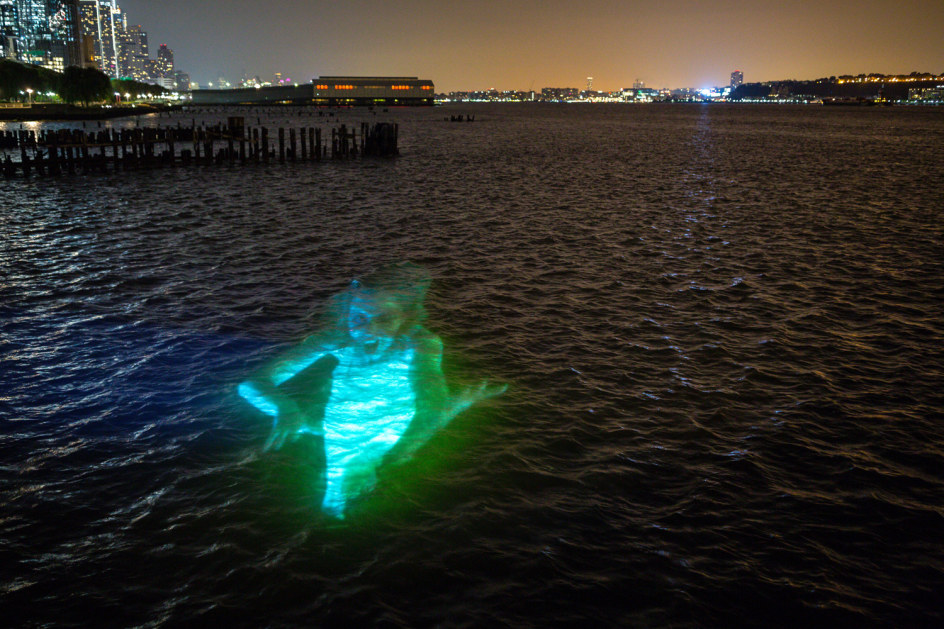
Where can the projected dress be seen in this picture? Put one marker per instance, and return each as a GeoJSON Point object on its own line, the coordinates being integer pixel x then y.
{"type": "Point", "coordinates": [369, 409]}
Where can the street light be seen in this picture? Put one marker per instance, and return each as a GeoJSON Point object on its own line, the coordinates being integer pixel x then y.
{"type": "Point", "coordinates": [29, 93]}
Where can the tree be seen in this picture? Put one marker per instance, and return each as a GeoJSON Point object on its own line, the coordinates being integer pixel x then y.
{"type": "Point", "coordinates": [84, 85]}
{"type": "Point", "coordinates": [17, 77]}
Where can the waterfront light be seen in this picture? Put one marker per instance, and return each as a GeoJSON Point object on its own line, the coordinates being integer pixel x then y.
{"type": "Point", "coordinates": [29, 93]}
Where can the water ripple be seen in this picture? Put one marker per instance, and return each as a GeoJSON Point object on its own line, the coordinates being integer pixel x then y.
{"type": "Point", "coordinates": [721, 326]}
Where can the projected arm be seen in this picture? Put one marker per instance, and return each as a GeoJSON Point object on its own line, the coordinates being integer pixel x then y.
{"type": "Point", "coordinates": [263, 392]}
{"type": "Point", "coordinates": [435, 405]}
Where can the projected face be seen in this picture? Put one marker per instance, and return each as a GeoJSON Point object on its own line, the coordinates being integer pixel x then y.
{"type": "Point", "coordinates": [374, 320]}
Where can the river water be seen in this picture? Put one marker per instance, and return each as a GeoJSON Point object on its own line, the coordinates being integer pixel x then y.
{"type": "Point", "coordinates": [721, 326]}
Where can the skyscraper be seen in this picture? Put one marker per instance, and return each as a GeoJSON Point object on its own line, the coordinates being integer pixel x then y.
{"type": "Point", "coordinates": [737, 77]}
{"type": "Point", "coordinates": [133, 53]}
{"type": "Point", "coordinates": [90, 26]}
{"type": "Point", "coordinates": [41, 32]}
{"type": "Point", "coordinates": [102, 21]}
{"type": "Point", "coordinates": [86, 33]}
{"type": "Point", "coordinates": [165, 57]}
{"type": "Point", "coordinates": [181, 81]}
{"type": "Point", "coordinates": [9, 25]}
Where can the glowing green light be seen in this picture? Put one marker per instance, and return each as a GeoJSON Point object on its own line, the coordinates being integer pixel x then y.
{"type": "Point", "coordinates": [371, 382]}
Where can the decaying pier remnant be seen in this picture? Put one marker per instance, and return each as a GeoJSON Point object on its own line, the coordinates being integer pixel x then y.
{"type": "Point", "coordinates": [77, 151]}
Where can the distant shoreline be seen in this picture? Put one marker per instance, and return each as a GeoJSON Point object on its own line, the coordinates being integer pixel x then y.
{"type": "Point", "coordinates": [51, 113]}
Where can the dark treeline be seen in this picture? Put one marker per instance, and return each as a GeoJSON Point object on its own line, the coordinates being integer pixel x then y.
{"type": "Point", "coordinates": [869, 86]}
{"type": "Point", "coordinates": [75, 85]}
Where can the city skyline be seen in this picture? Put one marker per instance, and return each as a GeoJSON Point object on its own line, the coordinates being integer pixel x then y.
{"type": "Point", "coordinates": [530, 45]}
{"type": "Point", "coordinates": [54, 34]}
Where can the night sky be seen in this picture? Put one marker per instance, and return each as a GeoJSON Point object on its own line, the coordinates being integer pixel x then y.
{"type": "Point", "coordinates": [527, 44]}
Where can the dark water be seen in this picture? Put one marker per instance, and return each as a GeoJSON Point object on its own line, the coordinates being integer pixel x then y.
{"type": "Point", "coordinates": [722, 327]}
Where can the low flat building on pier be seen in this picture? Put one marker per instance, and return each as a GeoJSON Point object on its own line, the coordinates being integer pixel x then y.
{"type": "Point", "coordinates": [328, 90]}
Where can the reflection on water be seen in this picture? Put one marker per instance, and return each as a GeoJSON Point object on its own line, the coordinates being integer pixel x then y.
{"type": "Point", "coordinates": [721, 326]}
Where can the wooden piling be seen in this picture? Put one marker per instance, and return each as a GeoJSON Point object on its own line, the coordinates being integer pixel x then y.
{"type": "Point", "coordinates": [170, 145]}
{"type": "Point", "coordinates": [208, 146]}
{"type": "Point", "coordinates": [24, 160]}
{"type": "Point", "coordinates": [148, 146]}
{"type": "Point", "coordinates": [53, 155]}
{"type": "Point", "coordinates": [71, 150]}
{"type": "Point", "coordinates": [86, 163]}
{"type": "Point", "coordinates": [114, 149]}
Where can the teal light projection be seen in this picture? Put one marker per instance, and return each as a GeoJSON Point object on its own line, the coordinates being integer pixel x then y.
{"type": "Point", "coordinates": [371, 383]}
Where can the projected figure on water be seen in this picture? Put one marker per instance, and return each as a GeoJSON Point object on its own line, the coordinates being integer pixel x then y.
{"type": "Point", "coordinates": [388, 394]}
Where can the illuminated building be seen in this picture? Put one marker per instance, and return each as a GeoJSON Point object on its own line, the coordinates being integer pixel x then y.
{"type": "Point", "coordinates": [329, 90]}
{"type": "Point", "coordinates": [927, 95]}
{"type": "Point", "coordinates": [737, 78]}
{"type": "Point", "coordinates": [129, 50]}
{"type": "Point", "coordinates": [559, 93]}
{"type": "Point", "coordinates": [152, 68]}
{"type": "Point", "coordinates": [639, 94]}
{"type": "Point", "coordinates": [41, 32]}
{"type": "Point", "coordinates": [89, 27]}
{"type": "Point", "coordinates": [120, 50]}
{"type": "Point", "coordinates": [133, 53]}
{"type": "Point", "coordinates": [101, 20]}
{"type": "Point", "coordinates": [165, 61]}
{"type": "Point", "coordinates": [181, 81]}
{"type": "Point", "coordinates": [87, 33]}
{"type": "Point", "coordinates": [8, 29]}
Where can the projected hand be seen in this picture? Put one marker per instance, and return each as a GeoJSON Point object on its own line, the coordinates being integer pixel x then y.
{"type": "Point", "coordinates": [286, 425]}
{"type": "Point", "coordinates": [481, 391]}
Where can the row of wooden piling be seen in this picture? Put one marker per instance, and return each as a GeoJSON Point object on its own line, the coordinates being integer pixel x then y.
{"type": "Point", "coordinates": [53, 152]}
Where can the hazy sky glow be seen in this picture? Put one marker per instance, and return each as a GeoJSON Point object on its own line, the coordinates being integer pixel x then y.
{"type": "Point", "coordinates": [546, 43]}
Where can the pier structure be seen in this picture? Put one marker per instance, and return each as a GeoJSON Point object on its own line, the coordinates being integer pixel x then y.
{"type": "Point", "coordinates": [77, 151]}
{"type": "Point", "coordinates": [328, 91]}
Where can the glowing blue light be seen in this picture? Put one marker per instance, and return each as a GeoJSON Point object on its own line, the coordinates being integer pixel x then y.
{"type": "Point", "coordinates": [388, 394]}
